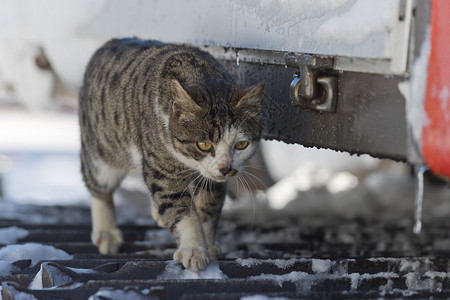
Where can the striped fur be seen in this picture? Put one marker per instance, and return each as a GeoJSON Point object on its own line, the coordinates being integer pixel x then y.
{"type": "Point", "coordinates": [143, 107]}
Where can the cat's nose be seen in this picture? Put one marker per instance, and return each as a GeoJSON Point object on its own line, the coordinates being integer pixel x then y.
{"type": "Point", "coordinates": [227, 171]}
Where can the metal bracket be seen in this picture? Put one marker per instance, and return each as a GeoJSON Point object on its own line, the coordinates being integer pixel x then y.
{"type": "Point", "coordinates": [311, 88]}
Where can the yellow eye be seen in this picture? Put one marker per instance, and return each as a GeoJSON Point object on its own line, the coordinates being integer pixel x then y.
{"type": "Point", "coordinates": [241, 145]}
{"type": "Point", "coordinates": [204, 146]}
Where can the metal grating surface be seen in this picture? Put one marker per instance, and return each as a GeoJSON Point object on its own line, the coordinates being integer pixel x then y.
{"type": "Point", "coordinates": [307, 258]}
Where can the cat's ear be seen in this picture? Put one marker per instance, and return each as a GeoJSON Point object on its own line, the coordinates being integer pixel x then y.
{"type": "Point", "coordinates": [251, 97]}
{"type": "Point", "coordinates": [181, 101]}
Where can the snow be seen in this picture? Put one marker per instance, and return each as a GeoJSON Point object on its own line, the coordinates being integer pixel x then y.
{"type": "Point", "coordinates": [17, 295]}
{"type": "Point", "coordinates": [305, 280]}
{"type": "Point", "coordinates": [341, 182]}
{"type": "Point", "coordinates": [174, 270]}
{"type": "Point", "coordinates": [279, 263]}
{"type": "Point", "coordinates": [40, 157]}
{"type": "Point", "coordinates": [322, 269]}
{"type": "Point", "coordinates": [249, 262]}
{"type": "Point", "coordinates": [11, 235]}
{"type": "Point", "coordinates": [6, 268]}
{"type": "Point", "coordinates": [38, 131]}
{"type": "Point", "coordinates": [414, 92]}
{"type": "Point", "coordinates": [298, 169]}
{"type": "Point", "coordinates": [35, 252]}
{"type": "Point", "coordinates": [110, 293]}
{"type": "Point", "coordinates": [293, 276]}
{"type": "Point", "coordinates": [262, 297]}
{"type": "Point", "coordinates": [29, 27]}
{"type": "Point", "coordinates": [321, 265]}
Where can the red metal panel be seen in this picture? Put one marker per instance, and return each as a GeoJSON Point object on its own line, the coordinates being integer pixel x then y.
{"type": "Point", "coordinates": [436, 129]}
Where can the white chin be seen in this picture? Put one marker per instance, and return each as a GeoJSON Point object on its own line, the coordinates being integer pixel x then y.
{"type": "Point", "coordinates": [215, 178]}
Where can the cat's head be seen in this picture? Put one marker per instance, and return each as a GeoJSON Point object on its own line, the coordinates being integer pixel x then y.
{"type": "Point", "coordinates": [216, 127]}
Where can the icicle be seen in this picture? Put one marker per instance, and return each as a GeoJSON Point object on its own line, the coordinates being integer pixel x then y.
{"type": "Point", "coordinates": [419, 200]}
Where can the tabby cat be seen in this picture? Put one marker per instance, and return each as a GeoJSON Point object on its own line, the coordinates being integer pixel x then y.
{"type": "Point", "coordinates": [171, 113]}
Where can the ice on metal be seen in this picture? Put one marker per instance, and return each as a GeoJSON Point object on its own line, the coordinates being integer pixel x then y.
{"type": "Point", "coordinates": [419, 200]}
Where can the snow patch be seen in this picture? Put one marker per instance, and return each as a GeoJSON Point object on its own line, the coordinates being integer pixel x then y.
{"type": "Point", "coordinates": [174, 270]}
{"type": "Point", "coordinates": [321, 265]}
{"type": "Point", "coordinates": [35, 252]}
{"type": "Point", "coordinates": [293, 276]}
{"type": "Point", "coordinates": [11, 235]}
{"type": "Point", "coordinates": [342, 181]}
{"type": "Point", "coordinates": [306, 280]}
{"type": "Point", "coordinates": [262, 297]}
{"type": "Point", "coordinates": [279, 263]}
{"type": "Point", "coordinates": [249, 262]}
{"type": "Point", "coordinates": [109, 293]}
{"type": "Point", "coordinates": [6, 268]}
{"type": "Point", "coordinates": [19, 295]}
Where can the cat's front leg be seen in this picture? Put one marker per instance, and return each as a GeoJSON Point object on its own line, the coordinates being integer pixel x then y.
{"type": "Point", "coordinates": [174, 210]}
{"type": "Point", "coordinates": [209, 231]}
{"type": "Point", "coordinates": [208, 203]}
{"type": "Point", "coordinates": [192, 249]}
{"type": "Point", "coordinates": [105, 233]}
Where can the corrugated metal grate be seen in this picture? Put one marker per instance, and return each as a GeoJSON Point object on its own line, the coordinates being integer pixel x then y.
{"type": "Point", "coordinates": [306, 259]}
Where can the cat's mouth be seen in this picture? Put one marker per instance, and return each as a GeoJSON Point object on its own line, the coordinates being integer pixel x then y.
{"type": "Point", "coordinates": [224, 178]}
{"type": "Point", "coordinates": [221, 178]}
{"type": "Point", "coordinates": [217, 178]}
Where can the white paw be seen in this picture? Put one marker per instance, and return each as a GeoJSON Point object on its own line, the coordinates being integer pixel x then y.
{"type": "Point", "coordinates": [214, 252]}
{"type": "Point", "coordinates": [194, 259]}
{"type": "Point", "coordinates": [107, 241]}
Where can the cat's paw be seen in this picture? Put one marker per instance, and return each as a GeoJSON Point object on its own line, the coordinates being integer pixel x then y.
{"type": "Point", "coordinates": [107, 241]}
{"type": "Point", "coordinates": [214, 252]}
{"type": "Point", "coordinates": [195, 258]}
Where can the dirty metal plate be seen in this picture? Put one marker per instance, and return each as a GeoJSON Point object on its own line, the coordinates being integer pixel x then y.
{"type": "Point", "coordinates": [369, 118]}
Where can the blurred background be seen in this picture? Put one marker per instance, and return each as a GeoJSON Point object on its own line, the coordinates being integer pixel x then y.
{"type": "Point", "coordinates": [44, 49]}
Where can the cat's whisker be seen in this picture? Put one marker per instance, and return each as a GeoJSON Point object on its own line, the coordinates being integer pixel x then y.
{"type": "Point", "coordinates": [181, 172]}
{"type": "Point", "coordinates": [198, 183]}
{"type": "Point", "coordinates": [212, 192]}
{"type": "Point", "coordinates": [204, 181]}
{"type": "Point", "coordinates": [237, 187]}
{"type": "Point", "coordinates": [210, 189]}
{"type": "Point", "coordinates": [256, 177]}
{"type": "Point", "coordinates": [190, 174]}
{"type": "Point", "coordinates": [259, 167]}
{"type": "Point", "coordinates": [205, 188]}
{"type": "Point", "coordinates": [190, 185]}
{"type": "Point", "coordinates": [254, 204]}
{"type": "Point", "coordinates": [246, 185]}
